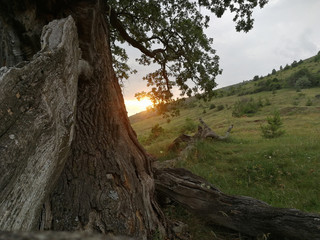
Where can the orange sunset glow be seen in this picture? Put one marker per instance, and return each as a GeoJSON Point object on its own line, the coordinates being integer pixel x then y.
{"type": "Point", "coordinates": [134, 106]}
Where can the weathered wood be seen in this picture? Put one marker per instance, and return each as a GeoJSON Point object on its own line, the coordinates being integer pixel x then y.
{"type": "Point", "coordinates": [37, 113]}
{"type": "Point", "coordinates": [204, 131]}
{"type": "Point", "coordinates": [49, 235]}
{"type": "Point", "coordinates": [240, 213]}
{"type": "Point", "coordinates": [184, 143]}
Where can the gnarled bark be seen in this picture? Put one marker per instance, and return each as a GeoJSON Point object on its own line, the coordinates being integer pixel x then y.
{"type": "Point", "coordinates": [106, 184]}
{"type": "Point", "coordinates": [243, 214]}
{"type": "Point", "coordinates": [37, 112]}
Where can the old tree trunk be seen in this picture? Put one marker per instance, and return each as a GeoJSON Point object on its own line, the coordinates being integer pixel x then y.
{"type": "Point", "coordinates": [69, 158]}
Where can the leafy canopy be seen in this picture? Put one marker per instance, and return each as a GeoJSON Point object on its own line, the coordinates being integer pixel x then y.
{"type": "Point", "coordinates": [171, 34]}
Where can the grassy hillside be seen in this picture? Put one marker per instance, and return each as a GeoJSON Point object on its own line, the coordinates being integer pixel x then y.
{"type": "Point", "coordinates": [283, 171]}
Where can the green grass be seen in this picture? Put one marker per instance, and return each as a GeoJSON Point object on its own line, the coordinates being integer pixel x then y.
{"type": "Point", "coordinates": [284, 171]}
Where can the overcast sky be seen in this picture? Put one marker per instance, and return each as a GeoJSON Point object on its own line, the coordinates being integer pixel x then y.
{"type": "Point", "coordinates": [284, 31]}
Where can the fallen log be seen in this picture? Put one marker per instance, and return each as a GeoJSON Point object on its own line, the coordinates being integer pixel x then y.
{"type": "Point", "coordinates": [244, 214]}
{"type": "Point", "coordinates": [204, 131]}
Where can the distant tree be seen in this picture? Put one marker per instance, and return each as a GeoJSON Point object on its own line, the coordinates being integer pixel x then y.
{"type": "Point", "coordinates": [317, 57]}
{"type": "Point", "coordinates": [256, 78]}
{"type": "Point", "coordinates": [281, 68]}
{"type": "Point", "coordinates": [294, 63]}
{"type": "Point", "coordinates": [286, 67]}
{"type": "Point", "coordinates": [246, 106]}
{"type": "Point", "coordinates": [303, 82]}
{"type": "Point", "coordinates": [273, 71]}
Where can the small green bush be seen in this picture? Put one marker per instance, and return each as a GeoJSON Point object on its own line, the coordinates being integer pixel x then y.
{"type": "Point", "coordinates": [260, 103]}
{"type": "Point", "coordinates": [189, 126]}
{"type": "Point", "coordinates": [220, 107]}
{"type": "Point", "coordinates": [272, 129]}
{"type": "Point", "coordinates": [303, 82]}
{"type": "Point", "coordinates": [295, 102]}
{"type": "Point", "coordinates": [212, 106]}
{"type": "Point", "coordinates": [268, 103]}
{"type": "Point", "coordinates": [156, 131]}
{"type": "Point", "coordinates": [245, 106]}
{"type": "Point", "coordinates": [309, 102]}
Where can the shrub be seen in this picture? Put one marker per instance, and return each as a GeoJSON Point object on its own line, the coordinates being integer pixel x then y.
{"type": "Point", "coordinates": [294, 64]}
{"type": "Point", "coordinates": [268, 85]}
{"type": "Point", "coordinates": [295, 102]}
{"type": "Point", "coordinates": [309, 102]}
{"type": "Point", "coordinates": [156, 131]}
{"type": "Point", "coordinates": [268, 103]}
{"type": "Point", "coordinates": [272, 129]}
{"type": "Point", "coordinates": [260, 103]}
{"type": "Point", "coordinates": [256, 78]}
{"type": "Point", "coordinates": [303, 82]}
{"type": "Point", "coordinates": [245, 106]}
{"type": "Point", "coordinates": [287, 67]}
{"type": "Point", "coordinates": [189, 126]}
{"type": "Point", "coordinates": [212, 106]}
{"type": "Point", "coordinates": [220, 107]}
{"type": "Point", "coordinates": [301, 78]}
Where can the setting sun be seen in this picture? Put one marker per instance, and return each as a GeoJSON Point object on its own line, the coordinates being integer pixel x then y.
{"type": "Point", "coordinates": [134, 106]}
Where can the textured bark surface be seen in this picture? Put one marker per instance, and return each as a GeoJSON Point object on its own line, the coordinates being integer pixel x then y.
{"type": "Point", "coordinates": [37, 112]}
{"type": "Point", "coordinates": [50, 235]}
{"type": "Point", "coordinates": [107, 183]}
{"type": "Point", "coordinates": [243, 214]}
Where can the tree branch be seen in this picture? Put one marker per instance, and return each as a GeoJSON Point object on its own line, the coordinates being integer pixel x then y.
{"type": "Point", "coordinates": [240, 213]}
{"type": "Point", "coordinates": [115, 22]}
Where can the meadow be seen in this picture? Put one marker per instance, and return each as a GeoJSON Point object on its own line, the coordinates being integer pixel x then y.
{"type": "Point", "coordinates": [282, 171]}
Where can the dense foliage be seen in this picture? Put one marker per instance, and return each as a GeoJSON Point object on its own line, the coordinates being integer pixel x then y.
{"type": "Point", "coordinates": [171, 34]}
{"type": "Point", "coordinates": [246, 106]}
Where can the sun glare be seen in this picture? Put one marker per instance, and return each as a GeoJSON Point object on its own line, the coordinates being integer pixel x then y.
{"type": "Point", "coordinates": [135, 106]}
